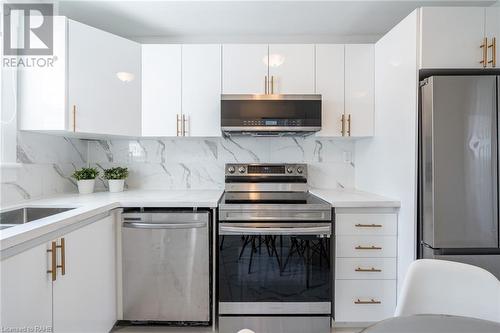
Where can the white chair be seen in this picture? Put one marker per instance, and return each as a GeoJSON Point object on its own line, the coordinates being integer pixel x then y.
{"type": "Point", "coordinates": [449, 288]}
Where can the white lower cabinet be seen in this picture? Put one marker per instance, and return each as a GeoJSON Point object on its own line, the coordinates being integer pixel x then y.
{"type": "Point", "coordinates": [365, 265]}
{"type": "Point", "coordinates": [80, 299]}
{"type": "Point", "coordinates": [26, 290]}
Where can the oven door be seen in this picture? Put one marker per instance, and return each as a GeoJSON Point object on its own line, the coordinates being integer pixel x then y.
{"type": "Point", "coordinates": [275, 268]}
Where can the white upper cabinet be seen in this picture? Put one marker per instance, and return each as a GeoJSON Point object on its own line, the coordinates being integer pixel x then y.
{"type": "Point", "coordinates": [161, 89]}
{"type": "Point", "coordinates": [451, 37]}
{"type": "Point", "coordinates": [244, 68]}
{"type": "Point", "coordinates": [493, 34]}
{"type": "Point", "coordinates": [291, 69]}
{"type": "Point", "coordinates": [26, 297]}
{"type": "Point", "coordinates": [330, 84]}
{"type": "Point", "coordinates": [359, 89]}
{"type": "Point", "coordinates": [201, 89]}
{"type": "Point", "coordinates": [94, 86]}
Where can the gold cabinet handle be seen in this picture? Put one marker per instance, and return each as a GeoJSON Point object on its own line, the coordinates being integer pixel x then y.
{"type": "Point", "coordinates": [373, 269]}
{"type": "Point", "coordinates": [74, 118]}
{"type": "Point", "coordinates": [185, 120]}
{"type": "Point", "coordinates": [371, 301]}
{"type": "Point", "coordinates": [266, 83]}
{"type": "Point", "coordinates": [272, 84]}
{"type": "Point", "coordinates": [343, 125]}
{"type": "Point", "coordinates": [349, 125]}
{"type": "Point", "coordinates": [484, 46]}
{"type": "Point", "coordinates": [53, 259]}
{"type": "Point", "coordinates": [178, 118]}
{"type": "Point", "coordinates": [493, 47]}
{"type": "Point", "coordinates": [373, 247]}
{"type": "Point", "coordinates": [373, 225]}
{"type": "Point", "coordinates": [62, 266]}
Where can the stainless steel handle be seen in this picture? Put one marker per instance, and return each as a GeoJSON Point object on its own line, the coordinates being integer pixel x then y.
{"type": "Point", "coordinates": [272, 84]}
{"type": "Point", "coordinates": [140, 225]}
{"type": "Point", "coordinates": [179, 132]}
{"type": "Point", "coordinates": [373, 225]}
{"type": "Point", "coordinates": [227, 230]}
{"type": "Point", "coordinates": [266, 83]}
{"type": "Point", "coordinates": [74, 118]}
{"type": "Point", "coordinates": [343, 125]}
{"type": "Point", "coordinates": [371, 301]}
{"type": "Point", "coordinates": [185, 123]}
{"type": "Point", "coordinates": [373, 247]}
{"type": "Point", "coordinates": [349, 125]}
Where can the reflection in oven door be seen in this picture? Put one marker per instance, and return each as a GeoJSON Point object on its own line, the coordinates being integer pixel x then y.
{"type": "Point", "coordinates": [275, 273]}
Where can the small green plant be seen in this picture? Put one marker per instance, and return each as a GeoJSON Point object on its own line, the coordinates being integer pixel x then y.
{"type": "Point", "coordinates": [85, 173]}
{"type": "Point", "coordinates": [116, 173]}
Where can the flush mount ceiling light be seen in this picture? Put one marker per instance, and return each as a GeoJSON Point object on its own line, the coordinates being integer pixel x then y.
{"type": "Point", "coordinates": [274, 60]}
{"type": "Point", "coordinates": [125, 76]}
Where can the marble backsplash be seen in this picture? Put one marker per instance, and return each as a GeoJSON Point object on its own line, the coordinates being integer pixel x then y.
{"type": "Point", "coordinates": [169, 163]}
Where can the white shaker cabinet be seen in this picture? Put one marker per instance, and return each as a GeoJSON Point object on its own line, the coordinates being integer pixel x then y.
{"type": "Point", "coordinates": [85, 297]}
{"type": "Point", "coordinates": [359, 90]}
{"type": "Point", "coordinates": [451, 37]}
{"type": "Point", "coordinates": [330, 84]}
{"type": "Point", "coordinates": [291, 69]}
{"type": "Point", "coordinates": [93, 87]}
{"type": "Point", "coordinates": [161, 89]}
{"type": "Point", "coordinates": [244, 68]}
{"type": "Point", "coordinates": [493, 35]}
{"type": "Point", "coordinates": [26, 289]}
{"type": "Point", "coordinates": [201, 89]}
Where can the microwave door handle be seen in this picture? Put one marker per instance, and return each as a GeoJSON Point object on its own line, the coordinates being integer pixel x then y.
{"type": "Point", "coordinates": [228, 230]}
{"type": "Point", "coordinates": [140, 225]}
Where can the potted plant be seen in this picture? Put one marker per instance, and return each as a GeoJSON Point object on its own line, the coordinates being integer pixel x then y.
{"type": "Point", "coordinates": [86, 179]}
{"type": "Point", "coordinates": [116, 178]}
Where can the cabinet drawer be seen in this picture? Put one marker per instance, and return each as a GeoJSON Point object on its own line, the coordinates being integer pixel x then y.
{"type": "Point", "coordinates": [364, 300]}
{"type": "Point", "coordinates": [365, 268]}
{"type": "Point", "coordinates": [366, 224]}
{"type": "Point", "coordinates": [366, 246]}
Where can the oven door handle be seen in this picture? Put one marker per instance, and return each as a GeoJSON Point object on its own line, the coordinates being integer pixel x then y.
{"type": "Point", "coordinates": [139, 225]}
{"type": "Point", "coordinates": [289, 231]}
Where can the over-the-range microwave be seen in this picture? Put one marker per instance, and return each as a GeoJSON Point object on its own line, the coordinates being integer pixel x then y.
{"type": "Point", "coordinates": [270, 115]}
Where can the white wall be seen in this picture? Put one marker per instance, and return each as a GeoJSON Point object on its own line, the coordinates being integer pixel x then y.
{"type": "Point", "coordinates": [386, 163]}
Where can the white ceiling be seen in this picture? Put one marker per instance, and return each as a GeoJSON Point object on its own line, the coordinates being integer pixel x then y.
{"type": "Point", "coordinates": [248, 21]}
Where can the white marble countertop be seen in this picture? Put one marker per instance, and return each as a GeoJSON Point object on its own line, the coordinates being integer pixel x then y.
{"type": "Point", "coordinates": [90, 205]}
{"type": "Point", "coordinates": [349, 198]}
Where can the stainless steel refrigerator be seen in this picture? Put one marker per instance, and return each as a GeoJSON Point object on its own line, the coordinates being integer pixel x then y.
{"type": "Point", "coordinates": [458, 169]}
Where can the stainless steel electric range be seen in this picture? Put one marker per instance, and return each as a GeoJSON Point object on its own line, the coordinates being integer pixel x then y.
{"type": "Point", "coordinates": [274, 253]}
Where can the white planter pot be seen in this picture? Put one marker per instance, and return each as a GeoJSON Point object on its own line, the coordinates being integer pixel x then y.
{"type": "Point", "coordinates": [116, 185]}
{"type": "Point", "coordinates": [86, 186]}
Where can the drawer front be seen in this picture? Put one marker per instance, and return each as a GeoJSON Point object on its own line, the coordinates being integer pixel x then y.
{"type": "Point", "coordinates": [365, 268]}
{"type": "Point", "coordinates": [364, 300]}
{"type": "Point", "coordinates": [366, 246]}
{"type": "Point", "coordinates": [366, 224]}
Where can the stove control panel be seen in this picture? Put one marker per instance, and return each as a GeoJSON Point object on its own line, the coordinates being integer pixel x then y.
{"type": "Point", "coordinates": [264, 169]}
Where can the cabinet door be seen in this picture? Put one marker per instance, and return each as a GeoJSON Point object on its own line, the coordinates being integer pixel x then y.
{"type": "Point", "coordinates": [244, 68]}
{"type": "Point", "coordinates": [26, 292]}
{"type": "Point", "coordinates": [359, 89]}
{"type": "Point", "coordinates": [201, 89]}
{"type": "Point", "coordinates": [161, 89]}
{"type": "Point", "coordinates": [493, 31]}
{"type": "Point", "coordinates": [85, 297]}
{"type": "Point", "coordinates": [104, 82]}
{"type": "Point", "coordinates": [291, 66]}
{"type": "Point", "coordinates": [451, 37]}
{"type": "Point", "coordinates": [330, 84]}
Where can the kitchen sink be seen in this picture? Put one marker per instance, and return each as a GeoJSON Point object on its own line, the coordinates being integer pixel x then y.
{"type": "Point", "coordinates": [18, 216]}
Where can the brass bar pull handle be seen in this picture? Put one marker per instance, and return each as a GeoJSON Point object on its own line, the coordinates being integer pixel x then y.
{"type": "Point", "coordinates": [373, 247]}
{"type": "Point", "coordinates": [185, 123]}
{"type": "Point", "coordinates": [373, 269]}
{"type": "Point", "coordinates": [178, 118]}
{"type": "Point", "coordinates": [62, 266]}
{"type": "Point", "coordinates": [373, 225]}
{"type": "Point", "coordinates": [266, 83]}
{"type": "Point", "coordinates": [349, 125]}
{"type": "Point", "coordinates": [371, 301]}
{"type": "Point", "coordinates": [493, 47]}
{"type": "Point", "coordinates": [74, 118]}
{"type": "Point", "coordinates": [343, 125]}
{"type": "Point", "coordinates": [484, 46]}
{"type": "Point", "coordinates": [53, 262]}
{"type": "Point", "coordinates": [272, 84]}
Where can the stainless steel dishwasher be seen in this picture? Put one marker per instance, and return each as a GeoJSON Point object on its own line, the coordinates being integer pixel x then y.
{"type": "Point", "coordinates": [166, 266]}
